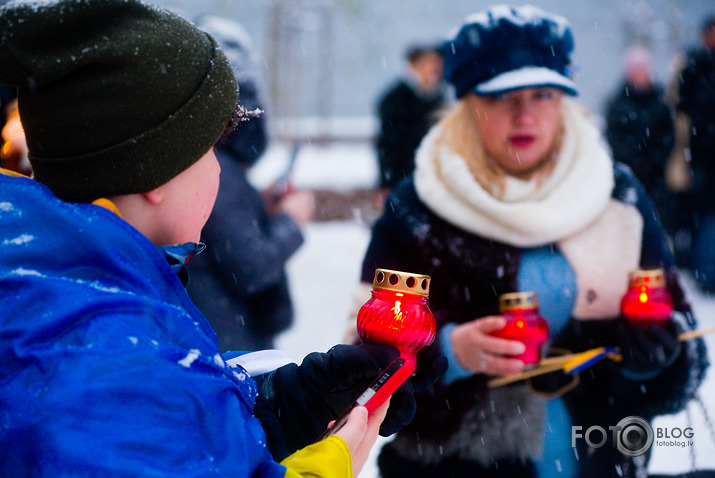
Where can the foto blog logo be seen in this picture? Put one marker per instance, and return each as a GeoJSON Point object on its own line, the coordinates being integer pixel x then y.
{"type": "Point", "coordinates": [632, 436]}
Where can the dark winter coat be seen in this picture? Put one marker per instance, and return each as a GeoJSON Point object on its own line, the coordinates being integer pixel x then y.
{"type": "Point", "coordinates": [465, 429]}
{"type": "Point", "coordinates": [108, 369]}
{"type": "Point", "coordinates": [239, 282]}
{"type": "Point", "coordinates": [639, 129]}
{"type": "Point", "coordinates": [697, 100]}
{"type": "Point", "coordinates": [405, 117]}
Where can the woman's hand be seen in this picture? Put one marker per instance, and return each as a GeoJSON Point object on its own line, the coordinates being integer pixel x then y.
{"type": "Point", "coordinates": [360, 433]}
{"type": "Point", "coordinates": [480, 352]}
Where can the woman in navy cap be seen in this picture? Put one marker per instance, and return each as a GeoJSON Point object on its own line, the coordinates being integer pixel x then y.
{"type": "Point", "coordinates": [515, 191]}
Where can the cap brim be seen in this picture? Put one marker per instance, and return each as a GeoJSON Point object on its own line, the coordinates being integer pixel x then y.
{"type": "Point", "coordinates": [527, 77]}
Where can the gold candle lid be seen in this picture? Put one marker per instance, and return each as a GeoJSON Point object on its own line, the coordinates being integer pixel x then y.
{"type": "Point", "coordinates": [512, 300]}
{"type": "Point", "coordinates": [649, 277]}
{"type": "Point", "coordinates": [398, 281]}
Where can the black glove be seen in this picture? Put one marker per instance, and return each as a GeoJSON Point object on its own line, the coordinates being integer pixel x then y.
{"type": "Point", "coordinates": [648, 350]}
{"type": "Point", "coordinates": [431, 365]}
{"type": "Point", "coordinates": [296, 403]}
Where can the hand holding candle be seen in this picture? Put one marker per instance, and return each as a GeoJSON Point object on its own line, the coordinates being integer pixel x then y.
{"type": "Point", "coordinates": [397, 314]}
{"type": "Point", "coordinates": [521, 311]}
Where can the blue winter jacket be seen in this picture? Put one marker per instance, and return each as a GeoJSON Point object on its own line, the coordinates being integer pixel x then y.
{"type": "Point", "coordinates": [106, 366]}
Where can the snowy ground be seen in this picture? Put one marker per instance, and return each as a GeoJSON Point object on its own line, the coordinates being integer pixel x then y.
{"type": "Point", "coordinates": [325, 270]}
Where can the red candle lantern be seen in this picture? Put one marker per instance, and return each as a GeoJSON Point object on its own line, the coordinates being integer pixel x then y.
{"type": "Point", "coordinates": [647, 300]}
{"type": "Point", "coordinates": [523, 323]}
{"type": "Point", "coordinates": [397, 314]}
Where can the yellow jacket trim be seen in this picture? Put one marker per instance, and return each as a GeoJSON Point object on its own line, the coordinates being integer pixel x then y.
{"type": "Point", "coordinates": [9, 172]}
{"type": "Point", "coordinates": [327, 458]}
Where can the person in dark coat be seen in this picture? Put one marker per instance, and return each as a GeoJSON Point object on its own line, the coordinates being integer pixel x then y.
{"type": "Point", "coordinates": [696, 91]}
{"type": "Point", "coordinates": [406, 111]}
{"type": "Point", "coordinates": [640, 131]}
{"type": "Point", "coordinates": [514, 190]}
{"type": "Point", "coordinates": [240, 281]}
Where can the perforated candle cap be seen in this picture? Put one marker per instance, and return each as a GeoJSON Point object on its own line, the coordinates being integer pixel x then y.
{"type": "Point", "coordinates": [398, 281]}
{"type": "Point", "coordinates": [648, 277]}
{"type": "Point", "coordinates": [513, 300]}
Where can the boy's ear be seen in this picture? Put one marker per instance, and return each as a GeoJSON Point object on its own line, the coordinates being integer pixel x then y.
{"type": "Point", "coordinates": [155, 196]}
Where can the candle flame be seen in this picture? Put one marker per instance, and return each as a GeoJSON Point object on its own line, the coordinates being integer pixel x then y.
{"type": "Point", "coordinates": [397, 311]}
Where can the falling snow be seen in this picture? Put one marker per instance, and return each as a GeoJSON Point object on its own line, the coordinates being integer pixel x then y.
{"type": "Point", "coordinates": [325, 271]}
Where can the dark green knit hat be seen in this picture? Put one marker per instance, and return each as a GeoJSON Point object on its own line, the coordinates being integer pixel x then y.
{"type": "Point", "coordinates": [116, 97]}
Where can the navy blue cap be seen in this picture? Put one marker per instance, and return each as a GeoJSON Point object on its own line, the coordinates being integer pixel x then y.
{"type": "Point", "coordinates": [507, 48]}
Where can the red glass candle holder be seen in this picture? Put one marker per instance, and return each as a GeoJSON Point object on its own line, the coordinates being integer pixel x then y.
{"type": "Point", "coordinates": [647, 299]}
{"type": "Point", "coordinates": [523, 323]}
{"type": "Point", "coordinates": [398, 314]}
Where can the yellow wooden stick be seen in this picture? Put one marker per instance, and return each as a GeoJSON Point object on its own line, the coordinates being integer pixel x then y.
{"type": "Point", "coordinates": [694, 334]}
{"type": "Point", "coordinates": [539, 370]}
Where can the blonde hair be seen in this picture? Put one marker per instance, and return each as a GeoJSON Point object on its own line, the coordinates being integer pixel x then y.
{"type": "Point", "coordinates": [459, 133]}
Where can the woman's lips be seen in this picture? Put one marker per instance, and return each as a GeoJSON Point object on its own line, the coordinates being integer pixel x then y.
{"type": "Point", "coordinates": [522, 140]}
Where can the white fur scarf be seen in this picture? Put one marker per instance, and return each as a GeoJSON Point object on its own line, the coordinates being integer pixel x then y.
{"type": "Point", "coordinates": [600, 237]}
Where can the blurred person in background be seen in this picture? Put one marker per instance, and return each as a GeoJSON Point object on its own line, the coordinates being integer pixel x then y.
{"type": "Point", "coordinates": [696, 109]}
{"type": "Point", "coordinates": [240, 281]}
{"type": "Point", "coordinates": [515, 190]}
{"type": "Point", "coordinates": [640, 131]}
{"type": "Point", "coordinates": [406, 111]}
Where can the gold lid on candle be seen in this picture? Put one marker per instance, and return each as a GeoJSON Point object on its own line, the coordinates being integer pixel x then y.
{"type": "Point", "coordinates": [649, 277]}
{"type": "Point", "coordinates": [398, 281]}
{"type": "Point", "coordinates": [513, 300]}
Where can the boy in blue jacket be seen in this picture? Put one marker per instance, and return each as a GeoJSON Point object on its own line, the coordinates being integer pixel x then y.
{"type": "Point", "coordinates": [107, 366]}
